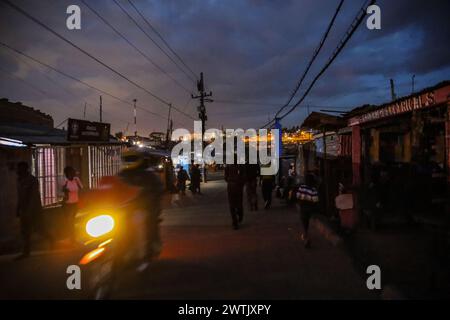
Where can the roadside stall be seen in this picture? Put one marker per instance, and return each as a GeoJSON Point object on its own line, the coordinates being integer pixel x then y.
{"type": "Point", "coordinates": [404, 147]}
{"type": "Point", "coordinates": [321, 157]}
{"type": "Point", "coordinates": [86, 146]}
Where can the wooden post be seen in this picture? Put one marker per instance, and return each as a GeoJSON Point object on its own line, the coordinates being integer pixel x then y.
{"type": "Point", "coordinates": [447, 155]}
{"type": "Point", "coordinates": [325, 172]}
{"type": "Point", "coordinates": [356, 155]}
{"type": "Point", "coordinates": [356, 169]}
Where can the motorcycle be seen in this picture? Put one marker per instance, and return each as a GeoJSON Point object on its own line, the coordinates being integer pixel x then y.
{"type": "Point", "coordinates": [114, 232]}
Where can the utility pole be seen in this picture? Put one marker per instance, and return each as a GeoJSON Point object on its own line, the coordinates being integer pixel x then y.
{"type": "Point", "coordinates": [84, 111]}
{"type": "Point", "coordinates": [101, 109]}
{"type": "Point", "coordinates": [203, 96]}
{"type": "Point", "coordinates": [135, 122]}
{"type": "Point", "coordinates": [168, 123]}
{"type": "Point", "coordinates": [412, 84]}
{"type": "Point", "coordinates": [393, 96]}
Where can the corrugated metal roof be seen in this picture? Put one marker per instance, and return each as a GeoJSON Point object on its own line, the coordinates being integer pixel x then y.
{"type": "Point", "coordinates": [319, 120]}
{"type": "Point", "coordinates": [32, 134]}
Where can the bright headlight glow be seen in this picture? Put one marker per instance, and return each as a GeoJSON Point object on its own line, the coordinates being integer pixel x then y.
{"type": "Point", "coordinates": [100, 225]}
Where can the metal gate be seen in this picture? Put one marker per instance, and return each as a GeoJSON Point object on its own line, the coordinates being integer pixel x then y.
{"type": "Point", "coordinates": [103, 161]}
{"type": "Point", "coordinates": [49, 163]}
{"type": "Point", "coordinates": [48, 168]}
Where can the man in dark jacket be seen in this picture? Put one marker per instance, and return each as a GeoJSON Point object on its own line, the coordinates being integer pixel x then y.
{"type": "Point", "coordinates": [267, 184]}
{"type": "Point", "coordinates": [182, 177]}
{"type": "Point", "coordinates": [235, 178]}
{"type": "Point", "coordinates": [252, 174]}
{"type": "Point", "coordinates": [195, 178]}
{"type": "Point", "coordinates": [29, 207]}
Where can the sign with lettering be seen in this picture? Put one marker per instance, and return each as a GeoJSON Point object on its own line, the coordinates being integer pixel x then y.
{"type": "Point", "coordinates": [411, 103]}
{"type": "Point", "coordinates": [406, 105]}
{"type": "Point", "coordinates": [81, 130]}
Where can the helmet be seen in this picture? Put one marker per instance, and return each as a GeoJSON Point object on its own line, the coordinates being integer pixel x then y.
{"type": "Point", "coordinates": [132, 159]}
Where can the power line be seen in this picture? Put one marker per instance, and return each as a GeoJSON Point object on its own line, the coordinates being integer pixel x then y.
{"type": "Point", "coordinates": [162, 38]}
{"type": "Point", "coordinates": [265, 110]}
{"type": "Point", "coordinates": [349, 33]}
{"type": "Point", "coordinates": [43, 73]}
{"type": "Point", "coordinates": [43, 25]}
{"type": "Point", "coordinates": [152, 40]}
{"type": "Point", "coordinates": [246, 102]}
{"type": "Point", "coordinates": [62, 122]}
{"type": "Point", "coordinates": [46, 76]}
{"type": "Point", "coordinates": [58, 84]}
{"type": "Point", "coordinates": [42, 92]}
{"type": "Point", "coordinates": [71, 77]}
{"type": "Point", "coordinates": [77, 80]}
{"type": "Point", "coordinates": [134, 46]}
{"type": "Point", "coordinates": [45, 94]}
{"type": "Point", "coordinates": [313, 58]}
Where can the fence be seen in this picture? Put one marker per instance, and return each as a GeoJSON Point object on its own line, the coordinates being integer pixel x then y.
{"type": "Point", "coordinates": [103, 161]}
{"type": "Point", "coordinates": [48, 167]}
{"type": "Point", "coordinates": [49, 163]}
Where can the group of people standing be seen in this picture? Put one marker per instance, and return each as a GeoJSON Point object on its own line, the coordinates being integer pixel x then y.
{"type": "Point", "coordinates": [195, 177]}
{"type": "Point", "coordinates": [30, 210]}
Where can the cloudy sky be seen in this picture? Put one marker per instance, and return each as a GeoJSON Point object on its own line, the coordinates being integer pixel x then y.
{"type": "Point", "coordinates": [252, 53]}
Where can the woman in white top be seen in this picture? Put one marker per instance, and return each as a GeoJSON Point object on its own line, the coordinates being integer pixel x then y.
{"type": "Point", "coordinates": [72, 186]}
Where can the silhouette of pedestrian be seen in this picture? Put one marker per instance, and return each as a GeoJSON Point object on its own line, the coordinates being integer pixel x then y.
{"type": "Point", "coordinates": [308, 199]}
{"type": "Point", "coordinates": [267, 184]}
{"type": "Point", "coordinates": [235, 178]}
{"type": "Point", "coordinates": [195, 179]}
{"type": "Point", "coordinates": [252, 174]}
{"type": "Point", "coordinates": [29, 208]}
{"type": "Point", "coordinates": [71, 189]}
{"type": "Point", "coordinates": [182, 177]}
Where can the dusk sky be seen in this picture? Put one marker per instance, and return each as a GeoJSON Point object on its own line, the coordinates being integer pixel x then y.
{"type": "Point", "coordinates": [251, 52]}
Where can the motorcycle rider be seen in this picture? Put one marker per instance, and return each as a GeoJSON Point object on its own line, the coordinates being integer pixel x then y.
{"type": "Point", "coordinates": [135, 171]}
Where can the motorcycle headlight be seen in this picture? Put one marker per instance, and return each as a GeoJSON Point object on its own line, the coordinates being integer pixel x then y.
{"type": "Point", "coordinates": [100, 225]}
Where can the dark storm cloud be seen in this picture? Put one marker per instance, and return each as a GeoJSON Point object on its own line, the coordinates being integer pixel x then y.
{"type": "Point", "coordinates": [251, 50]}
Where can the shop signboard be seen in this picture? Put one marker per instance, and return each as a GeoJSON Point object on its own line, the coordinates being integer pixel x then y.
{"type": "Point", "coordinates": [82, 130]}
{"type": "Point", "coordinates": [406, 105]}
{"type": "Point", "coordinates": [331, 141]}
{"type": "Point", "coordinates": [411, 103]}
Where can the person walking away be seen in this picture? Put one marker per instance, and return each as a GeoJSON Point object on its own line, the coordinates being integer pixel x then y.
{"type": "Point", "coordinates": [235, 178]}
{"type": "Point", "coordinates": [29, 208]}
{"type": "Point", "coordinates": [182, 177]}
{"type": "Point", "coordinates": [205, 173]}
{"type": "Point", "coordinates": [308, 199]}
{"type": "Point", "coordinates": [252, 174]}
{"type": "Point", "coordinates": [195, 179]}
{"type": "Point", "coordinates": [290, 185]}
{"type": "Point", "coordinates": [267, 184]}
{"type": "Point", "coordinates": [71, 189]}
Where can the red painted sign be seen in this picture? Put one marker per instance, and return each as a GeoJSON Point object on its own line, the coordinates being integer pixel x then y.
{"type": "Point", "coordinates": [425, 100]}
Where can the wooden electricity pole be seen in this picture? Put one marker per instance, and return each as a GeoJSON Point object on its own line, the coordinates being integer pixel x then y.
{"type": "Point", "coordinates": [135, 121]}
{"type": "Point", "coordinates": [101, 109]}
{"type": "Point", "coordinates": [203, 96]}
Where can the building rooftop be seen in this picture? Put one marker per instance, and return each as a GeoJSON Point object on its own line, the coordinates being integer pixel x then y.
{"type": "Point", "coordinates": [33, 134]}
